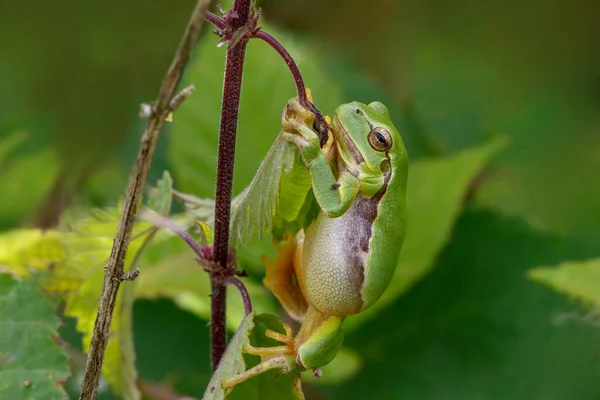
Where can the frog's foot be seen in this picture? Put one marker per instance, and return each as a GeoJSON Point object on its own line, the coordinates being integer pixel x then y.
{"type": "Point", "coordinates": [295, 114]}
{"type": "Point", "coordinates": [267, 365]}
{"type": "Point", "coordinates": [277, 357]}
{"type": "Point", "coordinates": [297, 123]}
{"type": "Point", "coordinates": [285, 350]}
{"type": "Point", "coordinates": [281, 278]}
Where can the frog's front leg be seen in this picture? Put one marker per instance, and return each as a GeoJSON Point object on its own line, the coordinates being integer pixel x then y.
{"type": "Point", "coordinates": [334, 195]}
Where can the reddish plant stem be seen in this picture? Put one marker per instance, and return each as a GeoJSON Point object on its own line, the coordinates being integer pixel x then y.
{"type": "Point", "coordinates": [260, 34]}
{"type": "Point", "coordinates": [320, 124]}
{"type": "Point", "coordinates": [229, 117]}
{"type": "Point", "coordinates": [232, 280]}
{"type": "Point", "coordinates": [165, 223]}
{"type": "Point", "coordinates": [290, 63]}
{"type": "Point", "coordinates": [216, 21]}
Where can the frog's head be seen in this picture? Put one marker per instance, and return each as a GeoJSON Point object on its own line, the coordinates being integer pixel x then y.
{"type": "Point", "coordinates": [369, 144]}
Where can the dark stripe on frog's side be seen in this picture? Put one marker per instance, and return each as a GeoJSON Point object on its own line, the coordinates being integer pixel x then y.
{"type": "Point", "coordinates": [363, 214]}
{"type": "Point", "coordinates": [388, 231]}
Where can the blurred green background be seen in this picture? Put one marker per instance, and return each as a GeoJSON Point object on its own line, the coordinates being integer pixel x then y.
{"type": "Point", "coordinates": [454, 74]}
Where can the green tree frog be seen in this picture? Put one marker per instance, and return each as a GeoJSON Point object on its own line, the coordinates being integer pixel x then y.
{"type": "Point", "coordinates": [344, 260]}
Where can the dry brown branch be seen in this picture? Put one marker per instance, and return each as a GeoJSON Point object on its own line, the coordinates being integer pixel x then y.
{"type": "Point", "coordinates": [114, 269]}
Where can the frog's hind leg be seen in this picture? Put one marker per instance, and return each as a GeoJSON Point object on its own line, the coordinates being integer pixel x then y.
{"type": "Point", "coordinates": [284, 278]}
{"type": "Point", "coordinates": [276, 357]}
{"type": "Point", "coordinates": [282, 281]}
{"type": "Point", "coordinates": [266, 365]}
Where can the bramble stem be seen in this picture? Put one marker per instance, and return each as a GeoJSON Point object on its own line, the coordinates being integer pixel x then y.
{"type": "Point", "coordinates": [239, 17]}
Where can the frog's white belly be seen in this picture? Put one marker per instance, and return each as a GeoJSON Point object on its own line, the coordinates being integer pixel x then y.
{"type": "Point", "coordinates": [335, 253]}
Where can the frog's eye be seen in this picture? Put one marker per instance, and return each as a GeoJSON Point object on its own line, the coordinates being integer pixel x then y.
{"type": "Point", "coordinates": [380, 139]}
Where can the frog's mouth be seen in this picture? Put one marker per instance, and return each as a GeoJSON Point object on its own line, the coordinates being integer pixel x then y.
{"type": "Point", "coordinates": [346, 147]}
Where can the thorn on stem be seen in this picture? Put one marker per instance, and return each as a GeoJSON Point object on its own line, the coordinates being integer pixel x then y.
{"type": "Point", "coordinates": [228, 31]}
{"type": "Point", "coordinates": [146, 109]}
{"type": "Point", "coordinates": [180, 97]}
{"type": "Point", "coordinates": [129, 276]}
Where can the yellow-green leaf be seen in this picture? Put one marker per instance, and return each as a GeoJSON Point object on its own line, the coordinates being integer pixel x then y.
{"type": "Point", "coordinates": [80, 277]}
{"type": "Point", "coordinates": [24, 250]}
{"type": "Point", "coordinates": [576, 279]}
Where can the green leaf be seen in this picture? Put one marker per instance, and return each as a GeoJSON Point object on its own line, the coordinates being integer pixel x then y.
{"type": "Point", "coordinates": [477, 328]}
{"type": "Point", "coordinates": [233, 361]}
{"type": "Point", "coordinates": [534, 185]}
{"type": "Point", "coordinates": [297, 205]}
{"type": "Point", "coordinates": [276, 199]}
{"type": "Point", "coordinates": [254, 208]}
{"type": "Point", "coordinates": [24, 184]}
{"type": "Point", "coordinates": [293, 191]}
{"type": "Point", "coordinates": [435, 193]}
{"type": "Point", "coordinates": [577, 279]}
{"type": "Point", "coordinates": [160, 197]}
{"type": "Point", "coordinates": [172, 346]}
{"type": "Point", "coordinates": [32, 363]}
{"type": "Point", "coordinates": [80, 277]}
{"type": "Point", "coordinates": [196, 208]}
{"type": "Point", "coordinates": [10, 142]}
